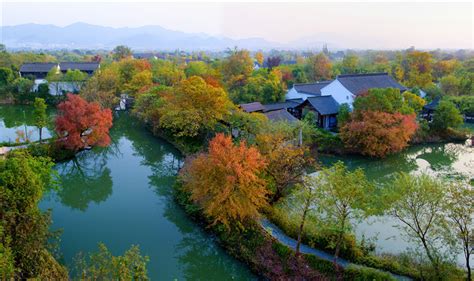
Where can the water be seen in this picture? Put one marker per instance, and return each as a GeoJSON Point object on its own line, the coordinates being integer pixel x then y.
{"type": "Point", "coordinates": [444, 161]}
{"type": "Point", "coordinates": [121, 196]}
{"type": "Point", "coordinates": [15, 118]}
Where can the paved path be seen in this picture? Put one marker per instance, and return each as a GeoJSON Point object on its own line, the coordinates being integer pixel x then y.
{"type": "Point", "coordinates": [290, 242]}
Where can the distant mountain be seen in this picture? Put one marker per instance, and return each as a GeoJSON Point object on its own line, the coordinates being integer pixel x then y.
{"type": "Point", "coordinates": [151, 37]}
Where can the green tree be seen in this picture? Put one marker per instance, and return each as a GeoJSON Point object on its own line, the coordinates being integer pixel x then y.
{"type": "Point", "coordinates": [343, 196]}
{"type": "Point", "coordinates": [121, 52]}
{"type": "Point", "coordinates": [413, 101]}
{"type": "Point", "coordinates": [459, 207]}
{"type": "Point", "coordinates": [350, 64]}
{"type": "Point", "coordinates": [450, 85]}
{"type": "Point", "coordinates": [76, 77]}
{"type": "Point", "coordinates": [102, 265]}
{"type": "Point", "coordinates": [417, 202]}
{"type": "Point", "coordinates": [344, 115]}
{"type": "Point", "coordinates": [306, 196]}
{"type": "Point", "coordinates": [41, 118]}
{"type": "Point", "coordinates": [23, 181]}
{"type": "Point", "coordinates": [446, 116]}
{"type": "Point", "coordinates": [54, 77]}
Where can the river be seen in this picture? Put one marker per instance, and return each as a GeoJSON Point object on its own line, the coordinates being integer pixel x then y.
{"type": "Point", "coordinates": [122, 195]}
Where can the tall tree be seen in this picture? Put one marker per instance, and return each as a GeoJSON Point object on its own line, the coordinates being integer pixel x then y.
{"type": "Point", "coordinates": [446, 116]}
{"type": "Point", "coordinates": [194, 107]}
{"type": "Point", "coordinates": [319, 67]}
{"type": "Point", "coordinates": [237, 68]}
{"type": "Point", "coordinates": [80, 124]}
{"type": "Point", "coordinates": [350, 64]}
{"type": "Point", "coordinates": [24, 228]}
{"type": "Point", "coordinates": [306, 198]}
{"type": "Point", "coordinates": [41, 118]}
{"type": "Point", "coordinates": [417, 202]}
{"type": "Point", "coordinates": [287, 162]}
{"type": "Point", "coordinates": [225, 181]}
{"type": "Point", "coordinates": [121, 52]}
{"type": "Point", "coordinates": [342, 197]}
{"type": "Point", "coordinates": [259, 58]}
{"type": "Point", "coordinates": [460, 216]}
{"type": "Point", "coordinates": [420, 66]}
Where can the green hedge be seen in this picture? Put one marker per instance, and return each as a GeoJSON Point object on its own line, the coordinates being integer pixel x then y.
{"type": "Point", "coordinates": [362, 273]}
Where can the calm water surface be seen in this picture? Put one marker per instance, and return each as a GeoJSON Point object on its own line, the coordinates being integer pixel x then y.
{"type": "Point", "coordinates": [121, 196]}
{"type": "Point", "coordinates": [445, 161]}
{"type": "Point", "coordinates": [15, 118]}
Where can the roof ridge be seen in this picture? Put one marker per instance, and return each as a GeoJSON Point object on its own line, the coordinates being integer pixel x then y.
{"type": "Point", "coordinates": [362, 74]}
{"type": "Point", "coordinates": [313, 83]}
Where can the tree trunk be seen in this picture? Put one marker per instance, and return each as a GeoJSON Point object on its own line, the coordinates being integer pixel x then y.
{"type": "Point", "coordinates": [300, 233]}
{"type": "Point", "coordinates": [469, 274]}
{"type": "Point", "coordinates": [40, 134]}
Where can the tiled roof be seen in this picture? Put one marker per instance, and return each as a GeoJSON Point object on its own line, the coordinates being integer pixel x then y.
{"type": "Point", "coordinates": [432, 105]}
{"type": "Point", "coordinates": [37, 66]}
{"type": "Point", "coordinates": [64, 66]}
{"type": "Point", "coordinates": [82, 66]}
{"type": "Point", "coordinates": [252, 107]}
{"type": "Point", "coordinates": [359, 83]}
{"type": "Point", "coordinates": [311, 88]}
{"type": "Point", "coordinates": [281, 105]}
{"type": "Point", "coordinates": [280, 115]}
{"type": "Point", "coordinates": [325, 105]}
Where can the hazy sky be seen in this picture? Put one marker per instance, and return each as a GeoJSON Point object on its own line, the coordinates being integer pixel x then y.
{"type": "Point", "coordinates": [369, 24]}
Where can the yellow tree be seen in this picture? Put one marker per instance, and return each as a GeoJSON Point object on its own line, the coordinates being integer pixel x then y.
{"type": "Point", "coordinates": [259, 57]}
{"type": "Point", "coordinates": [225, 181]}
{"type": "Point", "coordinates": [193, 107]}
{"type": "Point", "coordinates": [420, 67]}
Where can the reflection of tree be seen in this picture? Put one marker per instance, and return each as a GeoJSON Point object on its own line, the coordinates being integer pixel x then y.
{"type": "Point", "coordinates": [440, 156]}
{"type": "Point", "coordinates": [85, 179]}
{"type": "Point", "coordinates": [18, 115]}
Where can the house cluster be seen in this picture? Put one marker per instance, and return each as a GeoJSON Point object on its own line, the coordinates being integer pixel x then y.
{"type": "Point", "coordinates": [38, 71]}
{"type": "Point", "coordinates": [323, 98]}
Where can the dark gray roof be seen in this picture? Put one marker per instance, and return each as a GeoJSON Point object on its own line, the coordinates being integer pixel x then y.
{"type": "Point", "coordinates": [281, 105]}
{"type": "Point", "coordinates": [432, 105]}
{"type": "Point", "coordinates": [311, 88]}
{"type": "Point", "coordinates": [64, 66]}
{"type": "Point", "coordinates": [252, 107]}
{"type": "Point", "coordinates": [82, 66]}
{"type": "Point", "coordinates": [325, 105]}
{"type": "Point", "coordinates": [280, 115]}
{"type": "Point", "coordinates": [37, 66]}
{"type": "Point", "coordinates": [359, 83]}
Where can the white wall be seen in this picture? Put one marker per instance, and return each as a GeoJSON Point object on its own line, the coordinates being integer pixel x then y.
{"type": "Point", "coordinates": [293, 94]}
{"type": "Point", "coordinates": [57, 88]}
{"type": "Point", "coordinates": [338, 92]}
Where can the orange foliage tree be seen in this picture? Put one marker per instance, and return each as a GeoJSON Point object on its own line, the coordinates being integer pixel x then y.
{"type": "Point", "coordinates": [81, 124]}
{"type": "Point", "coordinates": [225, 181]}
{"type": "Point", "coordinates": [377, 133]}
{"type": "Point", "coordinates": [287, 163]}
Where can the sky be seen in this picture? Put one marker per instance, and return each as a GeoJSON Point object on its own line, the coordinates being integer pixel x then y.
{"type": "Point", "coordinates": [426, 25]}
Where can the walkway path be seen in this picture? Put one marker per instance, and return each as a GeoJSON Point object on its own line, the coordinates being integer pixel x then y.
{"type": "Point", "coordinates": [290, 242]}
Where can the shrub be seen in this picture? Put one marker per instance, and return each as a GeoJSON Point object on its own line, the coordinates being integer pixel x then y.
{"type": "Point", "coordinates": [361, 273]}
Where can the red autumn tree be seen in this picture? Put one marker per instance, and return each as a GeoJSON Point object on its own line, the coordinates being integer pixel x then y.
{"type": "Point", "coordinates": [225, 181]}
{"type": "Point", "coordinates": [81, 124]}
{"type": "Point", "coordinates": [377, 134]}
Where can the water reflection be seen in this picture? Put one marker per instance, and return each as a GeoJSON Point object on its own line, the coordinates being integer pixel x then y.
{"type": "Point", "coordinates": [16, 117]}
{"type": "Point", "coordinates": [85, 179]}
{"type": "Point", "coordinates": [444, 161]}
{"type": "Point", "coordinates": [124, 196]}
